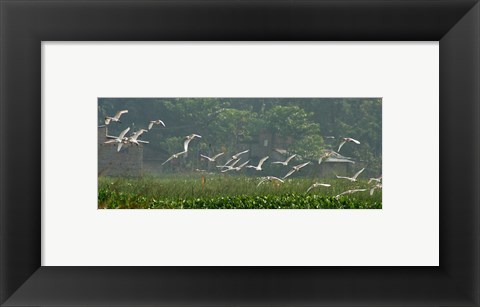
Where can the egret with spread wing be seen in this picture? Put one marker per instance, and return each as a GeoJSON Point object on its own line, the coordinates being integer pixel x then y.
{"type": "Point", "coordinates": [115, 118]}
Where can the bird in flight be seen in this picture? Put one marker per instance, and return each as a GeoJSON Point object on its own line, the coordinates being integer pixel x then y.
{"type": "Point", "coordinates": [377, 186]}
{"type": "Point", "coordinates": [187, 140]}
{"type": "Point", "coordinates": [350, 192]}
{"type": "Point", "coordinates": [175, 156]}
{"type": "Point", "coordinates": [120, 139]}
{"type": "Point", "coordinates": [269, 178]}
{"type": "Point", "coordinates": [345, 140]}
{"type": "Point", "coordinates": [286, 161]}
{"type": "Point", "coordinates": [237, 168]}
{"type": "Point", "coordinates": [259, 166]}
{"type": "Point", "coordinates": [212, 159]}
{"type": "Point", "coordinates": [378, 180]}
{"type": "Point", "coordinates": [115, 118]}
{"type": "Point", "coordinates": [316, 185]}
{"type": "Point", "coordinates": [236, 156]}
{"type": "Point", "coordinates": [155, 122]}
{"type": "Point", "coordinates": [354, 178]}
{"type": "Point", "coordinates": [296, 169]}
{"type": "Point", "coordinates": [133, 138]}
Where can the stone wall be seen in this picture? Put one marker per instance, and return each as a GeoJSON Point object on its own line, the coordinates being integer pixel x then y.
{"type": "Point", "coordinates": [128, 162]}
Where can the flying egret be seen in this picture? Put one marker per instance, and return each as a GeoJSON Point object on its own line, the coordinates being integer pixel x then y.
{"type": "Point", "coordinates": [175, 156]}
{"type": "Point", "coordinates": [236, 156]}
{"type": "Point", "coordinates": [350, 192]}
{"type": "Point", "coordinates": [259, 166]}
{"type": "Point", "coordinates": [155, 122]}
{"type": "Point", "coordinates": [377, 186]}
{"type": "Point", "coordinates": [269, 178]}
{"type": "Point", "coordinates": [237, 168]}
{"type": "Point", "coordinates": [345, 140]}
{"type": "Point", "coordinates": [115, 118]}
{"type": "Point", "coordinates": [379, 179]}
{"type": "Point", "coordinates": [187, 140]}
{"type": "Point", "coordinates": [133, 138]}
{"type": "Point", "coordinates": [286, 161]}
{"type": "Point", "coordinates": [120, 139]}
{"type": "Point", "coordinates": [354, 178]}
{"type": "Point", "coordinates": [212, 159]}
{"type": "Point", "coordinates": [231, 165]}
{"type": "Point", "coordinates": [296, 169]}
{"type": "Point", "coordinates": [316, 185]}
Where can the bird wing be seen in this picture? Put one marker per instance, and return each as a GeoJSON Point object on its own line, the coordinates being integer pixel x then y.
{"type": "Point", "coordinates": [371, 191]}
{"type": "Point", "coordinates": [340, 147]}
{"type": "Point", "coordinates": [325, 184]}
{"type": "Point", "coordinates": [119, 147]}
{"type": "Point", "coordinates": [240, 153]}
{"type": "Point", "coordinates": [303, 165]}
{"type": "Point", "coordinates": [196, 135]}
{"type": "Point", "coordinates": [278, 179]}
{"type": "Point", "coordinates": [289, 173]}
{"type": "Point", "coordinates": [150, 125]}
{"type": "Point", "coordinates": [355, 141]}
{"type": "Point", "coordinates": [320, 160]}
{"type": "Point", "coordinates": [171, 157]}
{"type": "Point", "coordinates": [242, 165]}
{"type": "Point", "coordinates": [143, 142]}
{"type": "Point", "coordinates": [217, 155]}
{"type": "Point", "coordinates": [261, 161]}
{"type": "Point", "coordinates": [119, 113]}
{"type": "Point", "coordinates": [236, 161]}
{"type": "Point", "coordinates": [111, 141]}
{"type": "Point", "coordinates": [161, 122]}
{"type": "Point", "coordinates": [185, 144]}
{"type": "Point", "coordinates": [107, 120]}
{"type": "Point", "coordinates": [311, 187]}
{"type": "Point", "coordinates": [208, 158]}
{"type": "Point", "coordinates": [341, 177]}
{"type": "Point", "coordinates": [290, 158]}
{"type": "Point", "coordinates": [278, 162]}
{"type": "Point", "coordinates": [358, 173]}
{"type": "Point", "coordinates": [122, 134]}
{"type": "Point", "coordinates": [262, 181]}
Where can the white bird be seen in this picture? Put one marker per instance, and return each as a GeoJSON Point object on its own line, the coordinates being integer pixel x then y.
{"type": "Point", "coordinates": [115, 118]}
{"type": "Point", "coordinates": [316, 185]}
{"type": "Point", "coordinates": [175, 156]}
{"type": "Point", "coordinates": [379, 179]}
{"type": "Point", "coordinates": [236, 156]}
{"type": "Point", "coordinates": [187, 140]}
{"type": "Point", "coordinates": [269, 178]}
{"type": "Point", "coordinates": [377, 186]}
{"type": "Point", "coordinates": [350, 192]}
{"type": "Point", "coordinates": [347, 140]}
{"type": "Point", "coordinates": [295, 169]}
{"type": "Point", "coordinates": [286, 161]}
{"type": "Point", "coordinates": [212, 159]}
{"type": "Point", "coordinates": [259, 166]}
{"type": "Point", "coordinates": [155, 122]}
{"type": "Point", "coordinates": [237, 168]}
{"type": "Point", "coordinates": [120, 139]}
{"type": "Point", "coordinates": [133, 138]}
{"type": "Point", "coordinates": [231, 165]}
{"type": "Point", "coordinates": [354, 178]}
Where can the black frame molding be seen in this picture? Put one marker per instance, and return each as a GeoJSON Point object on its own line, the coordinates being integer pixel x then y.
{"type": "Point", "coordinates": [25, 24]}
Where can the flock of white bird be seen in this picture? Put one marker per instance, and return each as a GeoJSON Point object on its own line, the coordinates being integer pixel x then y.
{"type": "Point", "coordinates": [123, 140]}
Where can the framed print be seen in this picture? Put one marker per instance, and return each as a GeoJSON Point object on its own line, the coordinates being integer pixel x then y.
{"type": "Point", "coordinates": [202, 78]}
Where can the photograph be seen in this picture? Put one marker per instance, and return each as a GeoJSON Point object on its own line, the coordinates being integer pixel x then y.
{"type": "Point", "coordinates": [239, 153]}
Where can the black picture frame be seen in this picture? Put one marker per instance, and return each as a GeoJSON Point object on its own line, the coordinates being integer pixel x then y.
{"type": "Point", "coordinates": [24, 24]}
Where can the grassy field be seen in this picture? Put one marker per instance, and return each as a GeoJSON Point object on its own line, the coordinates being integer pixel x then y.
{"type": "Point", "coordinates": [218, 191]}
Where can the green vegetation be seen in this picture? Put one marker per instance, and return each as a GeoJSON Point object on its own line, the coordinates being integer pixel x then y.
{"type": "Point", "coordinates": [231, 192]}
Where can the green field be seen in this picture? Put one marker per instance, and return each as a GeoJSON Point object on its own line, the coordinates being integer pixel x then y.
{"type": "Point", "coordinates": [218, 191]}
